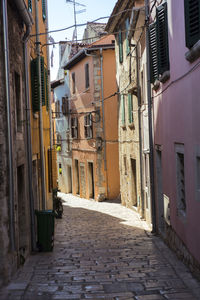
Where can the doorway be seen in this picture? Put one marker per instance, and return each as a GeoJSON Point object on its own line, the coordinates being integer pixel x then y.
{"type": "Point", "coordinates": [76, 177]}
{"type": "Point", "coordinates": [69, 178]}
{"type": "Point", "coordinates": [134, 181]}
{"type": "Point", "coordinates": [91, 180]}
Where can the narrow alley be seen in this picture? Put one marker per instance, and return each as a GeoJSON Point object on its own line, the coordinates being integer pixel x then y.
{"type": "Point", "coordinates": [102, 251]}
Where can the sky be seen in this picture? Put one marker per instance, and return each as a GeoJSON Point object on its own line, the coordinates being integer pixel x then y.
{"type": "Point", "coordinates": [61, 15]}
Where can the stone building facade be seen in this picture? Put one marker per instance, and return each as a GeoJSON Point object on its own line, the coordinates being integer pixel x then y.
{"type": "Point", "coordinates": [14, 203]}
{"type": "Point", "coordinates": [129, 127]}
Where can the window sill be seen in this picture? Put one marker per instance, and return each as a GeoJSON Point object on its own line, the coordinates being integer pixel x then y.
{"type": "Point", "coordinates": [193, 53]}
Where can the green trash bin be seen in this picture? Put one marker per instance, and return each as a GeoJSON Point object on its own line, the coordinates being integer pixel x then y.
{"type": "Point", "coordinates": [45, 230]}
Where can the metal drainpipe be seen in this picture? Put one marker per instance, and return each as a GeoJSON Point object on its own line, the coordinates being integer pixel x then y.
{"type": "Point", "coordinates": [103, 116]}
{"type": "Point", "coordinates": [40, 113]}
{"type": "Point", "coordinates": [49, 88]}
{"type": "Point", "coordinates": [9, 120]}
{"type": "Point", "coordinates": [151, 162]}
{"type": "Point", "coordinates": [140, 129]}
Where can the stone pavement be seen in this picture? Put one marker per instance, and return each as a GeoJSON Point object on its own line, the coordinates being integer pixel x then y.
{"type": "Point", "coordinates": [102, 251]}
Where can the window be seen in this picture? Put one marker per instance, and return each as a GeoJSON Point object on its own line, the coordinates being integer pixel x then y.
{"type": "Point", "coordinates": [73, 83]}
{"type": "Point", "coordinates": [87, 79]}
{"type": "Point", "coordinates": [42, 80]}
{"type": "Point", "coordinates": [120, 42]}
{"type": "Point", "coordinates": [130, 108]}
{"type": "Point", "coordinates": [35, 83]}
{"type": "Point", "coordinates": [159, 50]}
{"type": "Point", "coordinates": [153, 52]}
{"type": "Point", "coordinates": [65, 107]}
{"type": "Point", "coordinates": [74, 127]}
{"type": "Point", "coordinates": [127, 23]}
{"type": "Point", "coordinates": [192, 22]}
{"type": "Point", "coordinates": [18, 102]}
{"type": "Point", "coordinates": [180, 179]}
{"type": "Point", "coordinates": [58, 139]}
{"type": "Point", "coordinates": [57, 107]}
{"type": "Point", "coordinates": [88, 126]}
{"type": "Point", "coordinates": [122, 111]}
{"type": "Point", "coordinates": [44, 10]}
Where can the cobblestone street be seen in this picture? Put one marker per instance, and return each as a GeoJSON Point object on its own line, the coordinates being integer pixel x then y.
{"type": "Point", "coordinates": [102, 251]}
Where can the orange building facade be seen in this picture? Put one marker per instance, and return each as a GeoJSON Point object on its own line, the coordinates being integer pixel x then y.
{"type": "Point", "coordinates": [94, 130]}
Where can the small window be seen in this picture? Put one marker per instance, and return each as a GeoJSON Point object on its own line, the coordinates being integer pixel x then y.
{"type": "Point", "coordinates": [73, 83]}
{"type": "Point", "coordinates": [180, 179]}
{"type": "Point", "coordinates": [18, 102]}
{"type": "Point", "coordinates": [120, 43]}
{"type": "Point", "coordinates": [58, 139]}
{"type": "Point", "coordinates": [65, 105]}
{"type": "Point", "coordinates": [74, 127]}
{"type": "Point", "coordinates": [87, 78]}
{"type": "Point", "coordinates": [30, 5]}
{"type": "Point", "coordinates": [88, 126]}
{"type": "Point", "coordinates": [130, 108]}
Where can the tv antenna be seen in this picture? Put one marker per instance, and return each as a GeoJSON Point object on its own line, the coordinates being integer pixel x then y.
{"type": "Point", "coordinates": [75, 13]}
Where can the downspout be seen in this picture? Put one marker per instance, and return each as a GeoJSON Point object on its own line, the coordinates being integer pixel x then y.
{"type": "Point", "coordinates": [9, 118]}
{"type": "Point", "coordinates": [103, 117]}
{"type": "Point", "coordinates": [40, 113]}
{"type": "Point", "coordinates": [151, 161]}
{"type": "Point", "coordinates": [49, 91]}
{"type": "Point", "coordinates": [140, 128]}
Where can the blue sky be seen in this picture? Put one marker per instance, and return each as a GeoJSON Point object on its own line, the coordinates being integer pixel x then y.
{"type": "Point", "coordinates": [61, 15]}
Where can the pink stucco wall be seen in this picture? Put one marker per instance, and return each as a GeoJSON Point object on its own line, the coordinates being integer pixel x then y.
{"type": "Point", "coordinates": [176, 120]}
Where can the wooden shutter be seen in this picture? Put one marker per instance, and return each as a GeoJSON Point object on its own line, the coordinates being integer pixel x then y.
{"type": "Point", "coordinates": [130, 108]}
{"type": "Point", "coordinates": [42, 80]}
{"type": "Point", "coordinates": [30, 5]}
{"type": "Point", "coordinates": [153, 52]}
{"type": "Point", "coordinates": [162, 38]}
{"type": "Point", "coordinates": [127, 42]}
{"type": "Point", "coordinates": [46, 89]}
{"type": "Point", "coordinates": [120, 47]}
{"type": "Point", "coordinates": [35, 91]}
{"type": "Point", "coordinates": [123, 109]}
{"type": "Point", "coordinates": [44, 10]}
{"type": "Point", "coordinates": [192, 22]}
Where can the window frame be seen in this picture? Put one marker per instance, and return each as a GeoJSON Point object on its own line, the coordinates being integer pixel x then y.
{"type": "Point", "coordinates": [88, 128]}
{"type": "Point", "coordinates": [87, 76]}
{"type": "Point", "coordinates": [74, 127]}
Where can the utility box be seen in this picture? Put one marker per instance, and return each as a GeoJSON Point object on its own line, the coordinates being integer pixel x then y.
{"type": "Point", "coordinates": [45, 230]}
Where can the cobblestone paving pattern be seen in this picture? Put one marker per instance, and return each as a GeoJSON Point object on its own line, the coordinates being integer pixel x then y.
{"type": "Point", "coordinates": [102, 251]}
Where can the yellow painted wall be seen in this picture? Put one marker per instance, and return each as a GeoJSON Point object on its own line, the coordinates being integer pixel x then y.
{"type": "Point", "coordinates": [45, 112]}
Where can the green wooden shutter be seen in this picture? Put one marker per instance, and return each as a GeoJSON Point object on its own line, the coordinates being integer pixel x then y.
{"type": "Point", "coordinates": [153, 52]}
{"type": "Point", "coordinates": [192, 22]}
{"type": "Point", "coordinates": [42, 80]}
{"type": "Point", "coordinates": [35, 91]}
{"type": "Point", "coordinates": [130, 108]}
{"type": "Point", "coordinates": [123, 109]}
{"type": "Point", "coordinates": [30, 5]}
{"type": "Point", "coordinates": [127, 42]}
{"type": "Point", "coordinates": [44, 9]}
{"type": "Point", "coordinates": [46, 88]}
{"type": "Point", "coordinates": [120, 47]}
{"type": "Point", "coordinates": [162, 38]}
